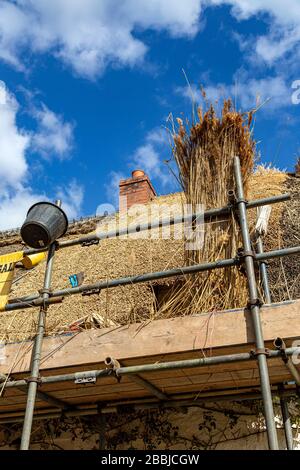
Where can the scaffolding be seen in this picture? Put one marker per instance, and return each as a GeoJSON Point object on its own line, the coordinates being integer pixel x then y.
{"type": "Point", "coordinates": [246, 257]}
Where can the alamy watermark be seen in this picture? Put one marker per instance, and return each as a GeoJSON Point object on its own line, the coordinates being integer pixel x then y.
{"type": "Point", "coordinates": [296, 95]}
{"type": "Point", "coordinates": [144, 221]}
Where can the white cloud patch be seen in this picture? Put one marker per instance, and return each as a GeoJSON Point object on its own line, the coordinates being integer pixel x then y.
{"type": "Point", "coordinates": [14, 207]}
{"type": "Point", "coordinates": [72, 198]}
{"type": "Point", "coordinates": [284, 30]}
{"type": "Point", "coordinates": [150, 157]}
{"type": "Point", "coordinates": [13, 143]}
{"type": "Point", "coordinates": [247, 93]}
{"type": "Point", "coordinates": [112, 188]}
{"type": "Point", "coordinates": [16, 196]}
{"type": "Point", "coordinates": [88, 36]}
{"type": "Point", "coordinates": [54, 136]}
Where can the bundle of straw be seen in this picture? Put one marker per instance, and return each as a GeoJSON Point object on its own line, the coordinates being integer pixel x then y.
{"type": "Point", "coordinates": [204, 153]}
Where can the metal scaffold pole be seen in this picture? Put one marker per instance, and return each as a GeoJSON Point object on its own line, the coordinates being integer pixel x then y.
{"type": "Point", "coordinates": [283, 401]}
{"type": "Point", "coordinates": [255, 311]}
{"type": "Point", "coordinates": [288, 431]}
{"type": "Point", "coordinates": [33, 380]}
{"type": "Point", "coordinates": [264, 272]}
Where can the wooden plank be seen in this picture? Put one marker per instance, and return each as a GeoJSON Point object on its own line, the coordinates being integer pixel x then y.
{"type": "Point", "coordinates": [231, 329]}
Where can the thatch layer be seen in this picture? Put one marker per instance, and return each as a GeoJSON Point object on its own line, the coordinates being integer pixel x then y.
{"type": "Point", "coordinates": [284, 273]}
{"type": "Point", "coordinates": [204, 153]}
{"type": "Point", "coordinates": [114, 258]}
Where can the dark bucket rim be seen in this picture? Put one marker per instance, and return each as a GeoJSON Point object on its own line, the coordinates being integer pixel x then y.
{"type": "Point", "coordinates": [49, 204]}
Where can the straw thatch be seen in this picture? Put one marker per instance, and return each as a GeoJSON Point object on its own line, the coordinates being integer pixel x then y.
{"type": "Point", "coordinates": [204, 153]}
{"type": "Point", "coordinates": [114, 258]}
{"type": "Point", "coordinates": [110, 259]}
{"type": "Point", "coordinates": [284, 273]}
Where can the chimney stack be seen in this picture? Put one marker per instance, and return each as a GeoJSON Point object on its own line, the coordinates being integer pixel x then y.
{"type": "Point", "coordinates": [135, 190]}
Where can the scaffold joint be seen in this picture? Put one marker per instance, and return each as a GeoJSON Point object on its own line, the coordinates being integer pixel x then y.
{"type": "Point", "coordinates": [87, 243]}
{"type": "Point", "coordinates": [45, 291]}
{"type": "Point", "coordinates": [91, 292]}
{"type": "Point", "coordinates": [88, 378]}
{"type": "Point", "coordinates": [242, 254]}
{"type": "Point", "coordinates": [254, 303]}
{"type": "Point", "coordinates": [36, 380]}
{"type": "Point", "coordinates": [258, 351]}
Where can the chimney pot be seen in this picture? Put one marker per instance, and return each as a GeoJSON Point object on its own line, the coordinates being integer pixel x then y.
{"type": "Point", "coordinates": [138, 173]}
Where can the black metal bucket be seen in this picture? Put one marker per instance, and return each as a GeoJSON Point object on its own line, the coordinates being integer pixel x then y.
{"type": "Point", "coordinates": [45, 223]}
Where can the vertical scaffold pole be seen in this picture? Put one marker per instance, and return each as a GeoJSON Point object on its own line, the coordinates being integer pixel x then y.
{"type": "Point", "coordinates": [263, 271]}
{"type": "Point", "coordinates": [36, 352]}
{"type": "Point", "coordinates": [255, 311]}
{"type": "Point", "coordinates": [288, 431]}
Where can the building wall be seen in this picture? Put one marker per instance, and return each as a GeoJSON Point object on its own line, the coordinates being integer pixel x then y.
{"type": "Point", "coordinates": [229, 428]}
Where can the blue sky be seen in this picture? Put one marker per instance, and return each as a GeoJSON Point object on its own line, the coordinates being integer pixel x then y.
{"type": "Point", "coordinates": [86, 89]}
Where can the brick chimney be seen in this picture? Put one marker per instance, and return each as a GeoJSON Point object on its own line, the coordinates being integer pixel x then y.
{"type": "Point", "coordinates": [135, 190]}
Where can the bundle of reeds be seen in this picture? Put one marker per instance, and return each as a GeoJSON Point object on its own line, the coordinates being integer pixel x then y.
{"type": "Point", "coordinates": [204, 154]}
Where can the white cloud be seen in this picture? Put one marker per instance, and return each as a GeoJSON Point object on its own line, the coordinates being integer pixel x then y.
{"type": "Point", "coordinates": [247, 93]}
{"type": "Point", "coordinates": [149, 156]}
{"type": "Point", "coordinates": [112, 188]}
{"type": "Point", "coordinates": [287, 12]}
{"type": "Point", "coordinates": [88, 36]}
{"type": "Point", "coordinates": [72, 198]}
{"type": "Point", "coordinates": [92, 35]}
{"type": "Point", "coordinates": [16, 196]}
{"type": "Point", "coordinates": [14, 207]}
{"type": "Point", "coordinates": [53, 136]}
{"type": "Point", "coordinates": [284, 30]}
{"type": "Point", "coordinates": [13, 143]}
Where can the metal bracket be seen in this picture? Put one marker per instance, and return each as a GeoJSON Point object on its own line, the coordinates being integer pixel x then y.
{"type": "Point", "coordinates": [240, 200]}
{"type": "Point", "coordinates": [284, 355]}
{"type": "Point", "coordinates": [45, 291]}
{"type": "Point", "coordinates": [36, 380]}
{"type": "Point", "coordinates": [91, 292]}
{"type": "Point", "coordinates": [255, 303]}
{"type": "Point", "coordinates": [113, 365]}
{"type": "Point", "coordinates": [88, 378]}
{"type": "Point", "coordinates": [241, 253]}
{"type": "Point", "coordinates": [87, 243]}
{"type": "Point", "coordinates": [256, 352]}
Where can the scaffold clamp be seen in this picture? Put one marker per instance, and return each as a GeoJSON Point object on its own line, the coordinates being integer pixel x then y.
{"type": "Point", "coordinates": [258, 351]}
{"type": "Point", "coordinates": [91, 292]}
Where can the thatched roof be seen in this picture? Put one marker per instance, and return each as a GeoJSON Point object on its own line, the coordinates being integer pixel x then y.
{"type": "Point", "coordinates": [125, 257]}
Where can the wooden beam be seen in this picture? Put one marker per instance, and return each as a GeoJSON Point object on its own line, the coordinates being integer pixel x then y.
{"type": "Point", "coordinates": [230, 329]}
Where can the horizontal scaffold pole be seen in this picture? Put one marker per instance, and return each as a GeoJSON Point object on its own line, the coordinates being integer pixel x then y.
{"type": "Point", "coordinates": [160, 366]}
{"type": "Point", "coordinates": [35, 300]}
{"type": "Point", "coordinates": [151, 225]}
